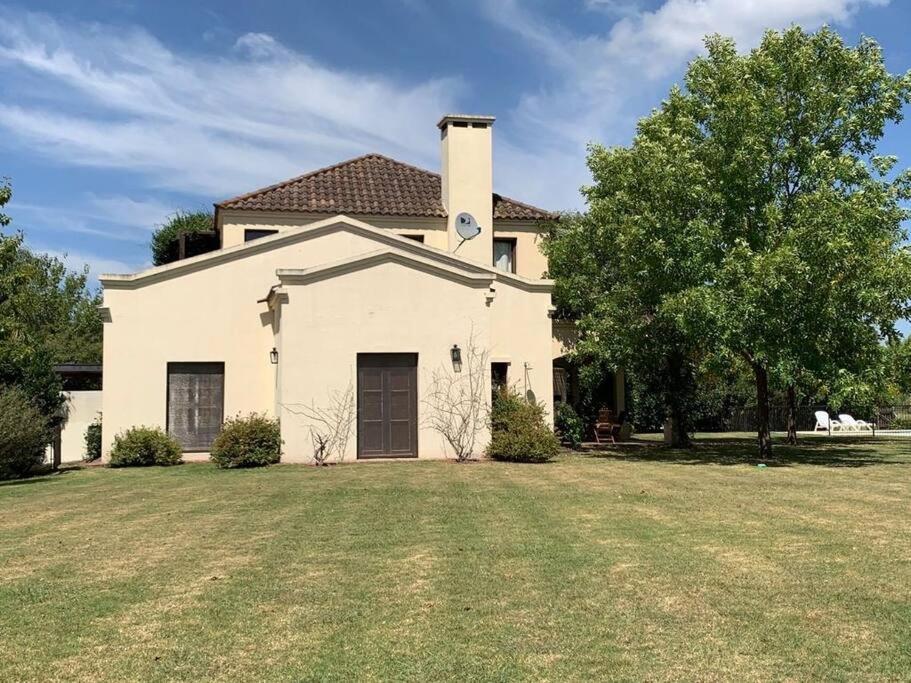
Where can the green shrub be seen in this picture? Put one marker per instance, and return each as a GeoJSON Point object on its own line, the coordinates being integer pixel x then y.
{"type": "Point", "coordinates": [24, 434]}
{"type": "Point", "coordinates": [93, 440]}
{"type": "Point", "coordinates": [250, 441]}
{"type": "Point", "coordinates": [518, 430]}
{"type": "Point", "coordinates": [142, 446]}
{"type": "Point", "coordinates": [569, 426]}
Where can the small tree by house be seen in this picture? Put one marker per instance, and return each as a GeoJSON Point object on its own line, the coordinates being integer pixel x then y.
{"type": "Point", "coordinates": [48, 315]}
{"type": "Point", "coordinates": [166, 236]}
{"type": "Point", "coordinates": [24, 434]}
{"type": "Point", "coordinates": [6, 193]}
{"type": "Point", "coordinates": [456, 400]}
{"type": "Point", "coordinates": [331, 424]}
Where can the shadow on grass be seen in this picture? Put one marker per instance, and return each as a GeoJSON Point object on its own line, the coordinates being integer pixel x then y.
{"type": "Point", "coordinates": [38, 476]}
{"type": "Point", "coordinates": [740, 451]}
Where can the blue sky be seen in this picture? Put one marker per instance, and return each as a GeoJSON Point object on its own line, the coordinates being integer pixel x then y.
{"type": "Point", "coordinates": [114, 113]}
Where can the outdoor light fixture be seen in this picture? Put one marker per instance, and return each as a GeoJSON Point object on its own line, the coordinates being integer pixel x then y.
{"type": "Point", "coordinates": [273, 356]}
{"type": "Point", "coordinates": [456, 354]}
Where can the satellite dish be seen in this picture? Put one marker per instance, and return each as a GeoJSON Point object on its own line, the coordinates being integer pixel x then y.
{"type": "Point", "coordinates": [467, 226]}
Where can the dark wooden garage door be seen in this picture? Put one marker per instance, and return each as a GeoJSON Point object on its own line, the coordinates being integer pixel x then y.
{"type": "Point", "coordinates": [387, 405]}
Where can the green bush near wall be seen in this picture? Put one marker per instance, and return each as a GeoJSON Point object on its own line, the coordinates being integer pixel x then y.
{"type": "Point", "coordinates": [93, 440]}
{"type": "Point", "coordinates": [24, 434]}
{"type": "Point", "coordinates": [570, 427]}
{"type": "Point", "coordinates": [251, 441]}
{"type": "Point", "coordinates": [518, 430]}
{"type": "Point", "coordinates": [144, 446]}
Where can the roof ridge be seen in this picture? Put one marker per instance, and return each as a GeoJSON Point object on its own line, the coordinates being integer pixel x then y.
{"type": "Point", "coordinates": [407, 165]}
{"type": "Point", "coordinates": [524, 205]}
{"type": "Point", "coordinates": [324, 169]}
{"type": "Point", "coordinates": [297, 178]}
{"type": "Point", "coordinates": [388, 196]}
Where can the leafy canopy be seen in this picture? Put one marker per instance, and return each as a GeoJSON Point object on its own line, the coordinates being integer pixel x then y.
{"type": "Point", "coordinates": [813, 274]}
{"type": "Point", "coordinates": [6, 192]}
{"type": "Point", "coordinates": [48, 315]}
{"type": "Point", "coordinates": [626, 269]}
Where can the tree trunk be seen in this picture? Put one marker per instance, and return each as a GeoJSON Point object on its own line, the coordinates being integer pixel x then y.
{"type": "Point", "coordinates": [680, 438]}
{"type": "Point", "coordinates": [674, 407]}
{"type": "Point", "coordinates": [792, 415]}
{"type": "Point", "coordinates": [762, 411]}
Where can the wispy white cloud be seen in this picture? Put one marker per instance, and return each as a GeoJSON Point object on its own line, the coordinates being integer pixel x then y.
{"type": "Point", "coordinates": [619, 8]}
{"type": "Point", "coordinates": [600, 83]}
{"type": "Point", "coordinates": [115, 97]}
{"type": "Point", "coordinates": [145, 215]}
{"type": "Point", "coordinates": [211, 125]}
{"type": "Point", "coordinates": [110, 216]}
{"type": "Point", "coordinates": [97, 265]}
{"type": "Point", "coordinates": [658, 41]}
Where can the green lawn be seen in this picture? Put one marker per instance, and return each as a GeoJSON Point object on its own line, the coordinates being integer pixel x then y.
{"type": "Point", "coordinates": [637, 563]}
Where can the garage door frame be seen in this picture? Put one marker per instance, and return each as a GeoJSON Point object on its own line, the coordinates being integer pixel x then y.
{"type": "Point", "coordinates": [387, 412]}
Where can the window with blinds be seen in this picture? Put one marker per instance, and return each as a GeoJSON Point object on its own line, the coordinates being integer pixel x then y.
{"type": "Point", "coordinates": [196, 399]}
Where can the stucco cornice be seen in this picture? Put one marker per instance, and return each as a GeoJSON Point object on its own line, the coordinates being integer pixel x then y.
{"type": "Point", "coordinates": [308, 232]}
{"type": "Point", "coordinates": [250, 217]}
{"type": "Point", "coordinates": [303, 276]}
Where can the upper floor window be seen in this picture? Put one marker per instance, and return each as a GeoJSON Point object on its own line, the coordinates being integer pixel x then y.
{"type": "Point", "coordinates": [504, 254]}
{"type": "Point", "coordinates": [256, 234]}
{"type": "Point", "coordinates": [416, 238]}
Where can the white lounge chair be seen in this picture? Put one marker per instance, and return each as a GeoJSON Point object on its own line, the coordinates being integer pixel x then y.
{"type": "Point", "coordinates": [850, 424]}
{"type": "Point", "coordinates": [825, 423]}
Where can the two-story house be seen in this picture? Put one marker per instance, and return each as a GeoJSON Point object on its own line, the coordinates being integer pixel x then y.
{"type": "Point", "coordinates": [371, 274]}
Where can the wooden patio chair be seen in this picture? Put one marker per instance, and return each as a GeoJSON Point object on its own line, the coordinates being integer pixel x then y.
{"type": "Point", "coordinates": [606, 427]}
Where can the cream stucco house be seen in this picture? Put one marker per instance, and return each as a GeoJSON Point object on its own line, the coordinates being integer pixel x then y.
{"type": "Point", "coordinates": [352, 275]}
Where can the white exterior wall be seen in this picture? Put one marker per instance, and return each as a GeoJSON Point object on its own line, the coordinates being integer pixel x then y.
{"type": "Point", "coordinates": [388, 308]}
{"type": "Point", "coordinates": [209, 315]}
{"type": "Point", "coordinates": [210, 309]}
{"type": "Point", "coordinates": [233, 223]}
{"type": "Point", "coordinates": [530, 260]}
{"type": "Point", "coordinates": [82, 409]}
{"type": "Point", "coordinates": [528, 352]}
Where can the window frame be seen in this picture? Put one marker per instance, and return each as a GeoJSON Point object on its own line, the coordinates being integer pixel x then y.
{"type": "Point", "coordinates": [167, 399]}
{"type": "Point", "coordinates": [513, 246]}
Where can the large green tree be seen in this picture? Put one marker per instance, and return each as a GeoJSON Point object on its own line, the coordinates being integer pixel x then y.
{"type": "Point", "coordinates": [48, 315]}
{"type": "Point", "coordinates": [626, 268]}
{"type": "Point", "coordinates": [751, 219]}
{"type": "Point", "coordinates": [813, 274]}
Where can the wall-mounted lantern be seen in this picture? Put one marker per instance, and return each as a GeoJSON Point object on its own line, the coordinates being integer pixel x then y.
{"type": "Point", "coordinates": [273, 356]}
{"type": "Point", "coordinates": [456, 354]}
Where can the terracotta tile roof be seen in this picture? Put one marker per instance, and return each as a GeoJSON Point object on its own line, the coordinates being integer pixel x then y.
{"type": "Point", "coordinates": [372, 184]}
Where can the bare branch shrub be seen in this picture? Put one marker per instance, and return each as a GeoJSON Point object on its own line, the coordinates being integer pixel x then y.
{"type": "Point", "coordinates": [457, 401]}
{"type": "Point", "coordinates": [330, 424]}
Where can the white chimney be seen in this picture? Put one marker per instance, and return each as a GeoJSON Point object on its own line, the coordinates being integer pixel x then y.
{"type": "Point", "coordinates": [467, 181]}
